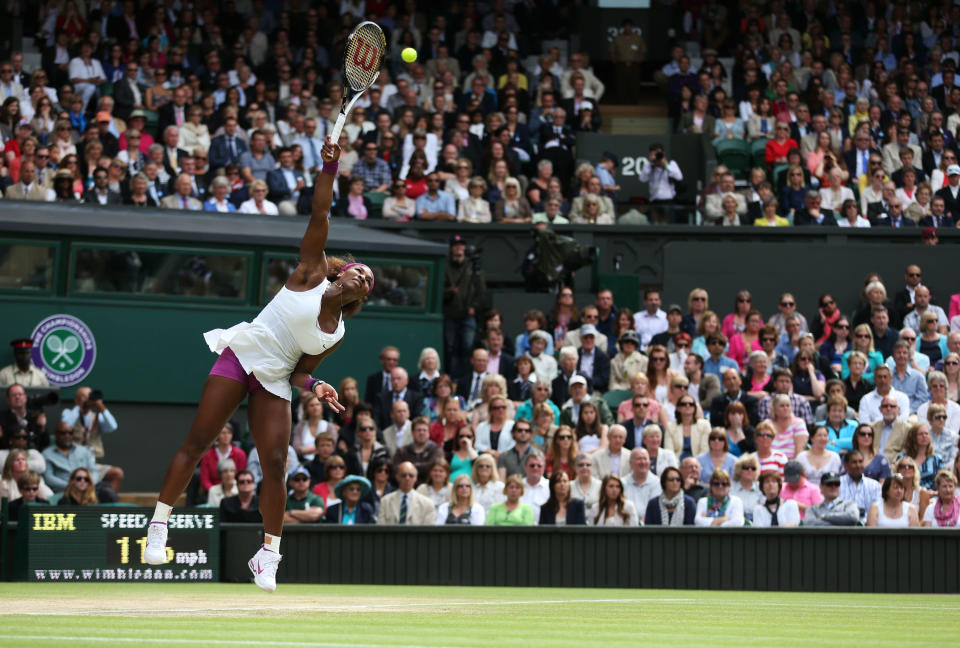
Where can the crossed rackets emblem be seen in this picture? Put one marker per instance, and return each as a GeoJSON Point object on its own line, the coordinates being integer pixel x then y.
{"type": "Point", "coordinates": [62, 350]}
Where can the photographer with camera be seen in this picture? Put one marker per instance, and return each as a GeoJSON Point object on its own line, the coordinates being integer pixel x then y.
{"type": "Point", "coordinates": [22, 371]}
{"type": "Point", "coordinates": [463, 288]}
{"type": "Point", "coordinates": [662, 173]}
{"type": "Point", "coordinates": [90, 419]}
{"type": "Point", "coordinates": [23, 417]}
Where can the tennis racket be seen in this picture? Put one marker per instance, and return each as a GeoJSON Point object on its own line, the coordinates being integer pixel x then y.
{"type": "Point", "coordinates": [361, 66]}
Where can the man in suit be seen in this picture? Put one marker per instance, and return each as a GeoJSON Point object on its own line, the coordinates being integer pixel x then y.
{"type": "Point", "coordinates": [942, 91]}
{"type": "Point", "coordinates": [469, 385]}
{"type": "Point", "coordinates": [498, 360]}
{"type": "Point", "coordinates": [894, 217]}
{"type": "Point", "coordinates": [286, 183]}
{"type": "Point", "coordinates": [879, 209]}
{"type": "Point", "coordinates": [890, 432]}
{"type": "Point", "coordinates": [951, 193]}
{"type": "Point", "coordinates": [182, 198]}
{"type": "Point", "coordinates": [732, 393]}
{"type": "Point", "coordinates": [379, 381]}
{"type": "Point", "coordinates": [907, 162]}
{"type": "Point", "coordinates": [406, 506]}
{"type": "Point", "coordinates": [28, 188]}
{"type": "Point", "coordinates": [858, 158]}
{"type": "Point", "coordinates": [227, 148]}
{"type": "Point", "coordinates": [937, 217]}
{"type": "Point", "coordinates": [127, 93]}
{"type": "Point", "coordinates": [814, 214]}
{"type": "Point", "coordinates": [172, 154]}
{"type": "Point", "coordinates": [615, 458]}
{"type": "Point", "coordinates": [802, 127]}
{"type": "Point", "coordinates": [383, 405]}
{"type": "Point", "coordinates": [99, 193]}
{"type": "Point", "coordinates": [467, 143]}
{"type": "Point", "coordinates": [808, 140]}
{"type": "Point", "coordinates": [175, 112]}
{"type": "Point", "coordinates": [198, 188]}
{"type": "Point", "coordinates": [903, 299]}
{"type": "Point", "coordinates": [557, 142]}
{"type": "Point", "coordinates": [935, 148]}
{"type": "Point", "coordinates": [56, 59]}
{"type": "Point", "coordinates": [593, 362]}
{"type": "Point", "coordinates": [634, 426]}
{"type": "Point", "coordinates": [399, 433]}
{"type": "Point", "coordinates": [891, 151]}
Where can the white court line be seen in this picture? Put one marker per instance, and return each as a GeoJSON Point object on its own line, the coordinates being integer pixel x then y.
{"type": "Point", "coordinates": [202, 642]}
{"type": "Point", "coordinates": [347, 608]}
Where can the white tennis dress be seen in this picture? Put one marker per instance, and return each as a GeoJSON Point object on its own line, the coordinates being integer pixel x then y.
{"type": "Point", "coordinates": [270, 346]}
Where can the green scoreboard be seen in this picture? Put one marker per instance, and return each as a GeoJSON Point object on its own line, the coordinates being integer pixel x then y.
{"type": "Point", "coordinates": [106, 543]}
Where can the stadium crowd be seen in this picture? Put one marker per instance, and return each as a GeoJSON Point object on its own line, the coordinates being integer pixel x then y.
{"type": "Point", "coordinates": [598, 415]}
{"type": "Point", "coordinates": [836, 114]}
{"type": "Point", "coordinates": [226, 110]}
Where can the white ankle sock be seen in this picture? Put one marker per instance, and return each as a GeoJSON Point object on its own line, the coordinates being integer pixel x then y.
{"type": "Point", "coordinates": [161, 513]}
{"type": "Point", "coordinates": [271, 542]}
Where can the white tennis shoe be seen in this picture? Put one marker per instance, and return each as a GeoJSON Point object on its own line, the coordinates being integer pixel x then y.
{"type": "Point", "coordinates": [155, 552]}
{"type": "Point", "coordinates": [263, 566]}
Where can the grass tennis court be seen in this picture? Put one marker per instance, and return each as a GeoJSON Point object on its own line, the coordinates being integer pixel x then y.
{"type": "Point", "coordinates": [37, 615]}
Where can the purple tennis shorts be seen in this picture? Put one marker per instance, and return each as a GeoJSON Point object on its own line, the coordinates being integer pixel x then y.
{"type": "Point", "coordinates": [228, 366]}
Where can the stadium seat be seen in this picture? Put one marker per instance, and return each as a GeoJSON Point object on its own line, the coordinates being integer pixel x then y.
{"type": "Point", "coordinates": [758, 151]}
{"type": "Point", "coordinates": [736, 155]}
{"type": "Point", "coordinates": [615, 397]}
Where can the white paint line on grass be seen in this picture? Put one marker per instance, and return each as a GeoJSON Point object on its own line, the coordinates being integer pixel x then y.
{"type": "Point", "coordinates": [202, 642]}
{"type": "Point", "coordinates": [342, 608]}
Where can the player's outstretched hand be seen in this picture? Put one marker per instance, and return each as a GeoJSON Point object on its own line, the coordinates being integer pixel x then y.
{"type": "Point", "coordinates": [328, 394]}
{"type": "Point", "coordinates": [331, 151]}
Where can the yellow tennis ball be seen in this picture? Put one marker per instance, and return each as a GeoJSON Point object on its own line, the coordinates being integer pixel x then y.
{"type": "Point", "coordinates": [409, 54]}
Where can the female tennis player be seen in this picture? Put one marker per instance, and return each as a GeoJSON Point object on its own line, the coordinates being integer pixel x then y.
{"type": "Point", "coordinates": [264, 360]}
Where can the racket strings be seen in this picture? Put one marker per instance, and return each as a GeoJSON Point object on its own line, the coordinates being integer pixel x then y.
{"type": "Point", "coordinates": [363, 56]}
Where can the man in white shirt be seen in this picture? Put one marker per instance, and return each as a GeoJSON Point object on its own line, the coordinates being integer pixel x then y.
{"type": "Point", "coordinates": [311, 145]}
{"type": "Point", "coordinates": [651, 320]}
{"type": "Point", "coordinates": [90, 412]}
{"type": "Point", "coordinates": [921, 304]}
{"type": "Point", "coordinates": [661, 173]}
{"type": "Point", "coordinates": [613, 460]}
{"type": "Point", "coordinates": [86, 73]}
{"type": "Point", "coordinates": [641, 485]}
{"type": "Point", "coordinates": [536, 487]}
{"type": "Point", "coordinates": [870, 404]}
{"type": "Point", "coordinates": [856, 487]}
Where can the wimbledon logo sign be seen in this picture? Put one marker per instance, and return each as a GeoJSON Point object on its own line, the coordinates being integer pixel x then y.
{"type": "Point", "coordinates": [64, 348]}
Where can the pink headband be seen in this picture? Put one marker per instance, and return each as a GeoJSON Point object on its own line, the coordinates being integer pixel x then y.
{"type": "Point", "coordinates": [372, 281]}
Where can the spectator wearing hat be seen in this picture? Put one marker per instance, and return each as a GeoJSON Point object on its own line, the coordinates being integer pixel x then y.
{"type": "Point", "coordinates": [302, 505]}
{"type": "Point", "coordinates": [627, 362]}
{"type": "Point", "coordinates": [929, 236]}
{"type": "Point", "coordinates": [951, 193]}
{"type": "Point", "coordinates": [593, 362]}
{"type": "Point", "coordinates": [797, 488]}
{"type": "Point", "coordinates": [832, 510]}
{"type": "Point", "coordinates": [666, 337]}
{"type": "Point", "coordinates": [570, 412]}
{"type": "Point", "coordinates": [22, 371]}
{"type": "Point", "coordinates": [605, 171]}
{"type": "Point", "coordinates": [351, 509]}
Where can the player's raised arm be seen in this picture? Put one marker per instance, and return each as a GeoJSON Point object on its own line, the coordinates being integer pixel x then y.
{"type": "Point", "coordinates": [314, 240]}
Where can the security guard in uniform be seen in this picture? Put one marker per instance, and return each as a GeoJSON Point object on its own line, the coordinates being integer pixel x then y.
{"type": "Point", "coordinates": [627, 52]}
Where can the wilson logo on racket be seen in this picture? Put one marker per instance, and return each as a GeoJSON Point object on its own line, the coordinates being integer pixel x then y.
{"type": "Point", "coordinates": [366, 56]}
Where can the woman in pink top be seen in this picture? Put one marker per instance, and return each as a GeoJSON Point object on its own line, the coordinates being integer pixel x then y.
{"type": "Point", "coordinates": [748, 340]}
{"type": "Point", "coordinates": [791, 432]}
{"type": "Point", "coordinates": [736, 321]}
